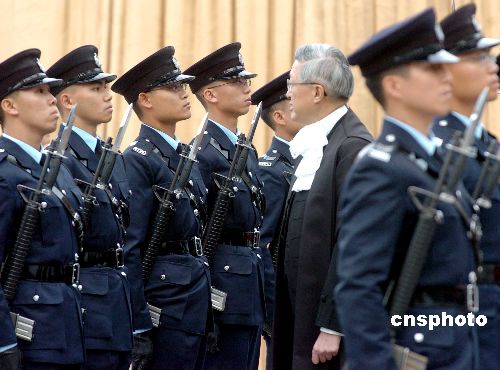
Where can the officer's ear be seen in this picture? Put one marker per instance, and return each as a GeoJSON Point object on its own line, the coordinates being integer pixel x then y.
{"type": "Point", "coordinates": [144, 101]}
{"type": "Point", "coordinates": [209, 95]}
{"type": "Point", "coordinates": [64, 100]}
{"type": "Point", "coordinates": [279, 117]}
{"type": "Point", "coordinates": [319, 92]}
{"type": "Point", "coordinates": [393, 86]}
{"type": "Point", "coordinates": [9, 106]}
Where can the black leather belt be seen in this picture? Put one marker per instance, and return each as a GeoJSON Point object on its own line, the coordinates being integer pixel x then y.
{"type": "Point", "coordinates": [110, 258]}
{"type": "Point", "coordinates": [68, 274]}
{"type": "Point", "coordinates": [490, 274]}
{"type": "Point", "coordinates": [441, 296]}
{"type": "Point", "coordinates": [247, 239]}
{"type": "Point", "coordinates": [189, 246]}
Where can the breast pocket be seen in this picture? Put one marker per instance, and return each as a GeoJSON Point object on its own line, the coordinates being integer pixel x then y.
{"type": "Point", "coordinates": [98, 323]}
{"type": "Point", "coordinates": [54, 222]}
{"type": "Point", "coordinates": [44, 304]}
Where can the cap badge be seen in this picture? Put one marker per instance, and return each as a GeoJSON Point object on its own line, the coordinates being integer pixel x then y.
{"type": "Point", "coordinates": [40, 65]}
{"type": "Point", "coordinates": [439, 32]}
{"type": "Point", "coordinates": [97, 61]}
{"type": "Point", "coordinates": [176, 63]}
{"type": "Point", "coordinates": [240, 58]}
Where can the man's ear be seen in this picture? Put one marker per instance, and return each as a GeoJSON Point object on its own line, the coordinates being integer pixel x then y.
{"type": "Point", "coordinates": [319, 92]}
{"type": "Point", "coordinates": [392, 86]}
{"type": "Point", "coordinates": [210, 96]}
{"type": "Point", "coordinates": [9, 106]}
{"type": "Point", "coordinates": [279, 117]}
{"type": "Point", "coordinates": [144, 101]}
{"type": "Point", "coordinates": [65, 100]}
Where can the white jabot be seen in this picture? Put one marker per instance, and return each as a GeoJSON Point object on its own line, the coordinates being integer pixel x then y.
{"type": "Point", "coordinates": [309, 143]}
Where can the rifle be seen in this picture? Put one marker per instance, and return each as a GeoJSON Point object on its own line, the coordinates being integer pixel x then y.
{"type": "Point", "coordinates": [225, 184]}
{"type": "Point", "coordinates": [166, 200]}
{"type": "Point", "coordinates": [221, 206]}
{"type": "Point", "coordinates": [450, 175]}
{"type": "Point", "coordinates": [488, 177]}
{"type": "Point", "coordinates": [29, 221]}
{"type": "Point", "coordinates": [102, 174]}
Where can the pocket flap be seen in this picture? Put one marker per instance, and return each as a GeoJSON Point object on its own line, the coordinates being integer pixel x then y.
{"type": "Point", "coordinates": [233, 264]}
{"type": "Point", "coordinates": [171, 273]}
{"type": "Point", "coordinates": [94, 283]}
{"type": "Point", "coordinates": [38, 293]}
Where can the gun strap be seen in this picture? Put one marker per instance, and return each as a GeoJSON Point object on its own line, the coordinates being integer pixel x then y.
{"type": "Point", "coordinates": [256, 191]}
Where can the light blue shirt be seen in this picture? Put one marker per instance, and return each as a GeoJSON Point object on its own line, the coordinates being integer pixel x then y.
{"type": "Point", "coordinates": [231, 135]}
{"type": "Point", "coordinates": [466, 121]}
{"type": "Point", "coordinates": [5, 348]}
{"type": "Point", "coordinates": [174, 143]}
{"type": "Point", "coordinates": [424, 141]}
{"type": "Point", "coordinates": [282, 140]}
{"type": "Point", "coordinates": [89, 139]}
{"type": "Point", "coordinates": [33, 153]}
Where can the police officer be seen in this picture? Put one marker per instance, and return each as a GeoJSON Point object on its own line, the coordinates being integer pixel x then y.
{"type": "Point", "coordinates": [404, 70]}
{"type": "Point", "coordinates": [477, 68]}
{"type": "Point", "coordinates": [179, 284]}
{"type": "Point", "coordinates": [45, 293]}
{"type": "Point", "coordinates": [275, 170]}
{"type": "Point", "coordinates": [106, 292]}
{"type": "Point", "coordinates": [222, 85]}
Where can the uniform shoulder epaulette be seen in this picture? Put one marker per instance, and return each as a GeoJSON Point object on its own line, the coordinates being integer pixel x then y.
{"type": "Point", "coordinates": [143, 147]}
{"type": "Point", "coordinates": [268, 160]}
{"type": "Point", "coordinates": [378, 151]}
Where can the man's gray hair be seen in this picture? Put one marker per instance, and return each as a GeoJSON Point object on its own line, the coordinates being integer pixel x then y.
{"type": "Point", "coordinates": [327, 65]}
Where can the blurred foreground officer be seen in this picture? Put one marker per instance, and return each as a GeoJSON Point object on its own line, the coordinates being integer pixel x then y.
{"type": "Point", "coordinates": [306, 331]}
{"type": "Point", "coordinates": [275, 171]}
{"type": "Point", "coordinates": [222, 85]}
{"type": "Point", "coordinates": [45, 293]}
{"type": "Point", "coordinates": [179, 283]}
{"type": "Point", "coordinates": [106, 291]}
{"type": "Point", "coordinates": [378, 217]}
{"type": "Point", "coordinates": [477, 68]}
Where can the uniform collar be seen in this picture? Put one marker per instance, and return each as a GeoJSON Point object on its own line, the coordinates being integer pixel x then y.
{"type": "Point", "coordinates": [15, 148]}
{"type": "Point", "coordinates": [478, 132]}
{"type": "Point", "coordinates": [283, 147]}
{"type": "Point", "coordinates": [32, 152]}
{"type": "Point", "coordinates": [424, 141]}
{"type": "Point", "coordinates": [230, 135]}
{"type": "Point", "coordinates": [172, 141]}
{"type": "Point", "coordinates": [88, 139]}
{"type": "Point", "coordinates": [167, 151]}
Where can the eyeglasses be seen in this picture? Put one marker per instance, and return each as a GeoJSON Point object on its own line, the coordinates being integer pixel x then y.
{"type": "Point", "coordinates": [479, 58]}
{"type": "Point", "coordinates": [243, 82]}
{"type": "Point", "coordinates": [174, 87]}
{"type": "Point", "coordinates": [290, 84]}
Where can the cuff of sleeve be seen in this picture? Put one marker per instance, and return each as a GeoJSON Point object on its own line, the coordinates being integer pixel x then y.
{"type": "Point", "coordinates": [332, 332]}
{"type": "Point", "coordinates": [7, 347]}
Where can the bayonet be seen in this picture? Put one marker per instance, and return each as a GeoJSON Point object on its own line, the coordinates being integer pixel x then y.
{"type": "Point", "coordinates": [199, 137]}
{"type": "Point", "coordinates": [255, 121]}
{"type": "Point", "coordinates": [123, 127]}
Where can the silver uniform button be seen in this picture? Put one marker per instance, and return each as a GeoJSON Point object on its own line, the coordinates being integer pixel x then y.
{"type": "Point", "coordinates": [43, 204]}
{"type": "Point", "coordinates": [196, 212]}
{"type": "Point", "coordinates": [418, 337]}
{"type": "Point", "coordinates": [226, 268]}
{"type": "Point", "coordinates": [235, 188]}
{"type": "Point", "coordinates": [390, 138]}
{"type": "Point", "coordinates": [162, 277]}
{"type": "Point", "coordinates": [36, 297]}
